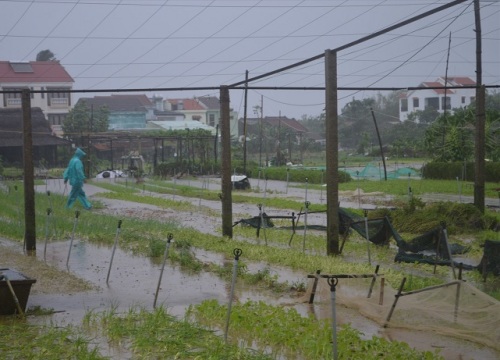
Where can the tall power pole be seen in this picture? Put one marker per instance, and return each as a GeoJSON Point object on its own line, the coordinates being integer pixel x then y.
{"type": "Point", "coordinates": [332, 160]}
{"type": "Point", "coordinates": [226, 185]}
{"type": "Point", "coordinates": [29, 181]}
{"type": "Point", "coordinates": [245, 126]}
{"type": "Point", "coordinates": [480, 118]}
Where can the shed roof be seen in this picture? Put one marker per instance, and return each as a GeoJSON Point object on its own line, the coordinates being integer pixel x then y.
{"type": "Point", "coordinates": [182, 125]}
{"type": "Point", "coordinates": [11, 129]}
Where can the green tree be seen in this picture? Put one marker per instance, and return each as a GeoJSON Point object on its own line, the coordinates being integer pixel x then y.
{"type": "Point", "coordinates": [451, 137]}
{"type": "Point", "coordinates": [81, 120]}
{"type": "Point", "coordinates": [45, 55]}
{"type": "Point", "coordinates": [426, 116]}
{"type": "Point", "coordinates": [315, 124]}
{"type": "Point", "coordinates": [356, 120]}
{"type": "Point", "coordinates": [493, 100]}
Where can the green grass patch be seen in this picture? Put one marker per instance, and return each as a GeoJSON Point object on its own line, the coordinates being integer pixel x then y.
{"type": "Point", "coordinates": [257, 323]}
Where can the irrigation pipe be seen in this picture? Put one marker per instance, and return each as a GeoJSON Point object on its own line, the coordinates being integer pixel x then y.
{"type": "Point", "coordinates": [114, 248]}
{"type": "Point", "coordinates": [359, 190]}
{"type": "Point", "coordinates": [333, 283]}
{"type": "Point", "coordinates": [237, 253]}
{"type": "Point", "coordinates": [287, 179]}
{"type": "Point", "coordinates": [264, 204]}
{"type": "Point", "coordinates": [77, 213]}
{"type": "Point", "coordinates": [18, 208]}
{"type": "Point", "coordinates": [306, 203]}
{"type": "Point", "coordinates": [367, 237]}
{"type": "Point", "coordinates": [321, 189]}
{"type": "Point", "coordinates": [14, 297]}
{"type": "Point", "coordinates": [52, 207]}
{"type": "Point", "coordinates": [165, 255]}
{"type": "Point", "coordinates": [65, 188]}
{"type": "Point", "coordinates": [47, 221]}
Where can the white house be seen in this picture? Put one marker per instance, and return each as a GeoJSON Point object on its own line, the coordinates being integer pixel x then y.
{"type": "Point", "coordinates": [435, 98]}
{"type": "Point", "coordinates": [204, 109]}
{"type": "Point", "coordinates": [38, 76]}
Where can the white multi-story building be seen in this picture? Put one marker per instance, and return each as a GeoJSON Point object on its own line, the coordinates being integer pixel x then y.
{"type": "Point", "coordinates": [37, 76]}
{"type": "Point", "coordinates": [435, 98]}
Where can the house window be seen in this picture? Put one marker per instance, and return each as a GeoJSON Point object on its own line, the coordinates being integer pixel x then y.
{"type": "Point", "coordinates": [404, 105]}
{"type": "Point", "coordinates": [31, 93]}
{"type": "Point", "coordinates": [211, 120]}
{"type": "Point", "coordinates": [472, 99]}
{"type": "Point", "coordinates": [58, 97]}
{"type": "Point", "coordinates": [12, 99]}
{"type": "Point", "coordinates": [56, 119]}
{"type": "Point", "coordinates": [43, 94]}
{"type": "Point", "coordinates": [463, 99]}
{"type": "Point", "coordinates": [196, 117]}
{"type": "Point", "coordinates": [432, 102]}
{"type": "Point", "coordinates": [445, 103]}
{"type": "Point", "coordinates": [415, 103]}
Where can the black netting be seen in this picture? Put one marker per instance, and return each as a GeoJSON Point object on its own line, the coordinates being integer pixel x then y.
{"type": "Point", "coordinates": [431, 247]}
{"type": "Point", "coordinates": [490, 262]}
{"type": "Point", "coordinates": [402, 256]}
{"type": "Point", "coordinates": [257, 221]}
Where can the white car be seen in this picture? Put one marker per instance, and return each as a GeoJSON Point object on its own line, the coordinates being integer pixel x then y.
{"type": "Point", "coordinates": [240, 182]}
{"type": "Point", "coordinates": [110, 174]}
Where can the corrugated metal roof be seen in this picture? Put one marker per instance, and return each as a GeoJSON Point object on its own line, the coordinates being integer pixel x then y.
{"type": "Point", "coordinates": [182, 125]}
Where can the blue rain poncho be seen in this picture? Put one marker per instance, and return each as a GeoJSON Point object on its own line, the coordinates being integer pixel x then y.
{"type": "Point", "coordinates": [75, 175]}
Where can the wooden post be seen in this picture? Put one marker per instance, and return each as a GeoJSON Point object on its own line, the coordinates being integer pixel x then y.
{"type": "Point", "coordinates": [226, 185]}
{"type": "Point", "coordinates": [373, 281]}
{"type": "Point", "coordinates": [396, 298]}
{"type": "Point", "coordinates": [381, 298]}
{"type": "Point", "coordinates": [332, 181]}
{"type": "Point", "coordinates": [29, 181]}
{"type": "Point", "coordinates": [314, 287]}
{"type": "Point", "coordinates": [457, 299]}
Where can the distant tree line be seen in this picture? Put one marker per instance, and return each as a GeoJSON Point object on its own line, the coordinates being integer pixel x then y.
{"type": "Point", "coordinates": [426, 133]}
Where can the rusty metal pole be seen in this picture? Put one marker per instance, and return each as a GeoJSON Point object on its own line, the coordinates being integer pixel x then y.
{"type": "Point", "coordinates": [29, 181]}
{"type": "Point", "coordinates": [332, 177]}
{"type": "Point", "coordinates": [226, 185]}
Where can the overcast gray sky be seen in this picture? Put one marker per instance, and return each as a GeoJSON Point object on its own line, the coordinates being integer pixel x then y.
{"type": "Point", "coordinates": [120, 44]}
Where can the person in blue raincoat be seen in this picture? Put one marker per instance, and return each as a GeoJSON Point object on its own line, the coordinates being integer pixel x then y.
{"type": "Point", "coordinates": [76, 177]}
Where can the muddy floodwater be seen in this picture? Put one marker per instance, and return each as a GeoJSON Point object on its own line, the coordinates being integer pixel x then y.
{"type": "Point", "coordinates": [133, 281]}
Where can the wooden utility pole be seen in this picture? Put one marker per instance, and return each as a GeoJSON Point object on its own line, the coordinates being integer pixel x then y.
{"type": "Point", "coordinates": [29, 181]}
{"type": "Point", "coordinates": [245, 126]}
{"type": "Point", "coordinates": [226, 185]}
{"type": "Point", "coordinates": [332, 161]}
{"type": "Point", "coordinates": [379, 144]}
{"type": "Point", "coordinates": [480, 118]}
{"type": "Point", "coordinates": [261, 129]}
